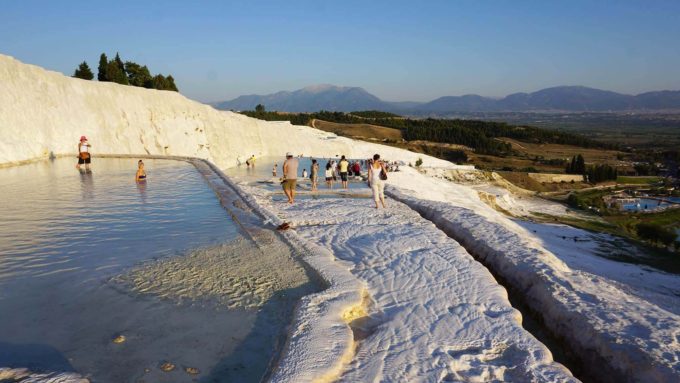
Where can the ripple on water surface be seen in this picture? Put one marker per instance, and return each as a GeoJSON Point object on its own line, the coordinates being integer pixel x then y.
{"type": "Point", "coordinates": [65, 235]}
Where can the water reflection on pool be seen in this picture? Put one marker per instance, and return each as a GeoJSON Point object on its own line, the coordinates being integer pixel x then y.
{"type": "Point", "coordinates": [65, 235]}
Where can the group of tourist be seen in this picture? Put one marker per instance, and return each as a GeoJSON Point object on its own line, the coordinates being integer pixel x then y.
{"type": "Point", "coordinates": [377, 175]}
{"type": "Point", "coordinates": [377, 172]}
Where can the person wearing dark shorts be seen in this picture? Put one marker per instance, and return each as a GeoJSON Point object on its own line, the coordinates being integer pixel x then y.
{"type": "Point", "coordinates": [344, 167]}
{"type": "Point", "coordinates": [290, 167]}
{"type": "Point", "coordinates": [84, 156]}
{"type": "Point", "coordinates": [84, 159]}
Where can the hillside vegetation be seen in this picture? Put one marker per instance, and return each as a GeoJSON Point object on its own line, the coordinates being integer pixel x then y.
{"type": "Point", "coordinates": [479, 135]}
{"type": "Point", "coordinates": [125, 73]}
{"type": "Point", "coordinates": [365, 131]}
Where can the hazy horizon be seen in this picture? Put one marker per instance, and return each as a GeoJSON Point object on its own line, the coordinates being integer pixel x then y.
{"type": "Point", "coordinates": [443, 95]}
{"type": "Point", "coordinates": [395, 50]}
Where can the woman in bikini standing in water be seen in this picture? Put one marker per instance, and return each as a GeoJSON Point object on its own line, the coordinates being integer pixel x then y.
{"type": "Point", "coordinates": [141, 174]}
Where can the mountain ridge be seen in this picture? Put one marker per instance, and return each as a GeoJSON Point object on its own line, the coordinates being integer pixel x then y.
{"type": "Point", "coordinates": [565, 98]}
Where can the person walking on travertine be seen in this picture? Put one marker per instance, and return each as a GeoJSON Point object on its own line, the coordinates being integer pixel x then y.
{"type": "Point", "coordinates": [84, 153]}
{"type": "Point", "coordinates": [344, 167]}
{"type": "Point", "coordinates": [290, 168]}
{"type": "Point", "coordinates": [377, 175]}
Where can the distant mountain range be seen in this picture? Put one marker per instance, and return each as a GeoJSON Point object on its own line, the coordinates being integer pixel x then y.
{"type": "Point", "coordinates": [561, 98]}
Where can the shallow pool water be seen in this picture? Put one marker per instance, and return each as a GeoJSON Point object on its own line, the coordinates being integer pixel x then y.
{"type": "Point", "coordinates": [649, 204]}
{"type": "Point", "coordinates": [66, 238]}
{"type": "Point", "coordinates": [60, 224]}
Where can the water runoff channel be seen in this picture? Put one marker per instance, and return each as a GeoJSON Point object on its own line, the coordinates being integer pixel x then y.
{"type": "Point", "coordinates": [118, 281]}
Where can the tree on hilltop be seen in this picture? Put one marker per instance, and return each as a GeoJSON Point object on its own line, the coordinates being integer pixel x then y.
{"type": "Point", "coordinates": [171, 83]}
{"type": "Point", "coordinates": [131, 73]}
{"type": "Point", "coordinates": [103, 62]}
{"type": "Point", "coordinates": [119, 62]}
{"type": "Point", "coordinates": [83, 71]}
{"type": "Point", "coordinates": [115, 71]}
{"type": "Point", "coordinates": [138, 75]}
{"type": "Point", "coordinates": [114, 74]}
{"type": "Point", "coordinates": [161, 82]}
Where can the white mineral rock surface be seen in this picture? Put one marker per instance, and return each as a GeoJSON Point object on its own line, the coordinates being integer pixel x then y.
{"type": "Point", "coordinates": [431, 312]}
{"type": "Point", "coordinates": [43, 112]}
{"type": "Point", "coordinates": [630, 327]}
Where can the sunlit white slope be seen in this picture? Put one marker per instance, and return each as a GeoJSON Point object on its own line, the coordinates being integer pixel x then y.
{"type": "Point", "coordinates": [43, 112]}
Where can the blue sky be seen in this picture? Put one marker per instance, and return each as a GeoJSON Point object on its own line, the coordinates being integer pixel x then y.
{"type": "Point", "coordinates": [397, 50]}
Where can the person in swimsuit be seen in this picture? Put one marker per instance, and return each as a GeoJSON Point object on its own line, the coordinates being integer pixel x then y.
{"type": "Point", "coordinates": [84, 153]}
{"type": "Point", "coordinates": [377, 184]}
{"type": "Point", "coordinates": [274, 170]}
{"type": "Point", "coordinates": [314, 174]}
{"type": "Point", "coordinates": [141, 174]}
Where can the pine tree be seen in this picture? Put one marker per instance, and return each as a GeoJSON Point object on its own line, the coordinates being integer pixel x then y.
{"type": "Point", "coordinates": [83, 71]}
{"type": "Point", "coordinates": [103, 63]}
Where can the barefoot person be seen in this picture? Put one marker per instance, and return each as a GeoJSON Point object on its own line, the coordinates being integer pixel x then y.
{"type": "Point", "coordinates": [329, 175]}
{"type": "Point", "coordinates": [250, 162]}
{"type": "Point", "coordinates": [344, 167]}
{"type": "Point", "coordinates": [290, 168]}
{"type": "Point", "coordinates": [84, 153]}
{"type": "Point", "coordinates": [141, 173]}
{"type": "Point", "coordinates": [377, 174]}
{"type": "Point", "coordinates": [274, 170]}
{"type": "Point", "coordinates": [314, 174]}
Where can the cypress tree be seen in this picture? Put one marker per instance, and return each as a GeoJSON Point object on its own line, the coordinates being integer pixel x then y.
{"type": "Point", "coordinates": [83, 71]}
{"type": "Point", "coordinates": [119, 63]}
{"type": "Point", "coordinates": [580, 165]}
{"type": "Point", "coordinates": [103, 63]}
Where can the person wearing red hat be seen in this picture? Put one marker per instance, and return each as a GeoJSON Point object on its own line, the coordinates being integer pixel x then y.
{"type": "Point", "coordinates": [84, 153]}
